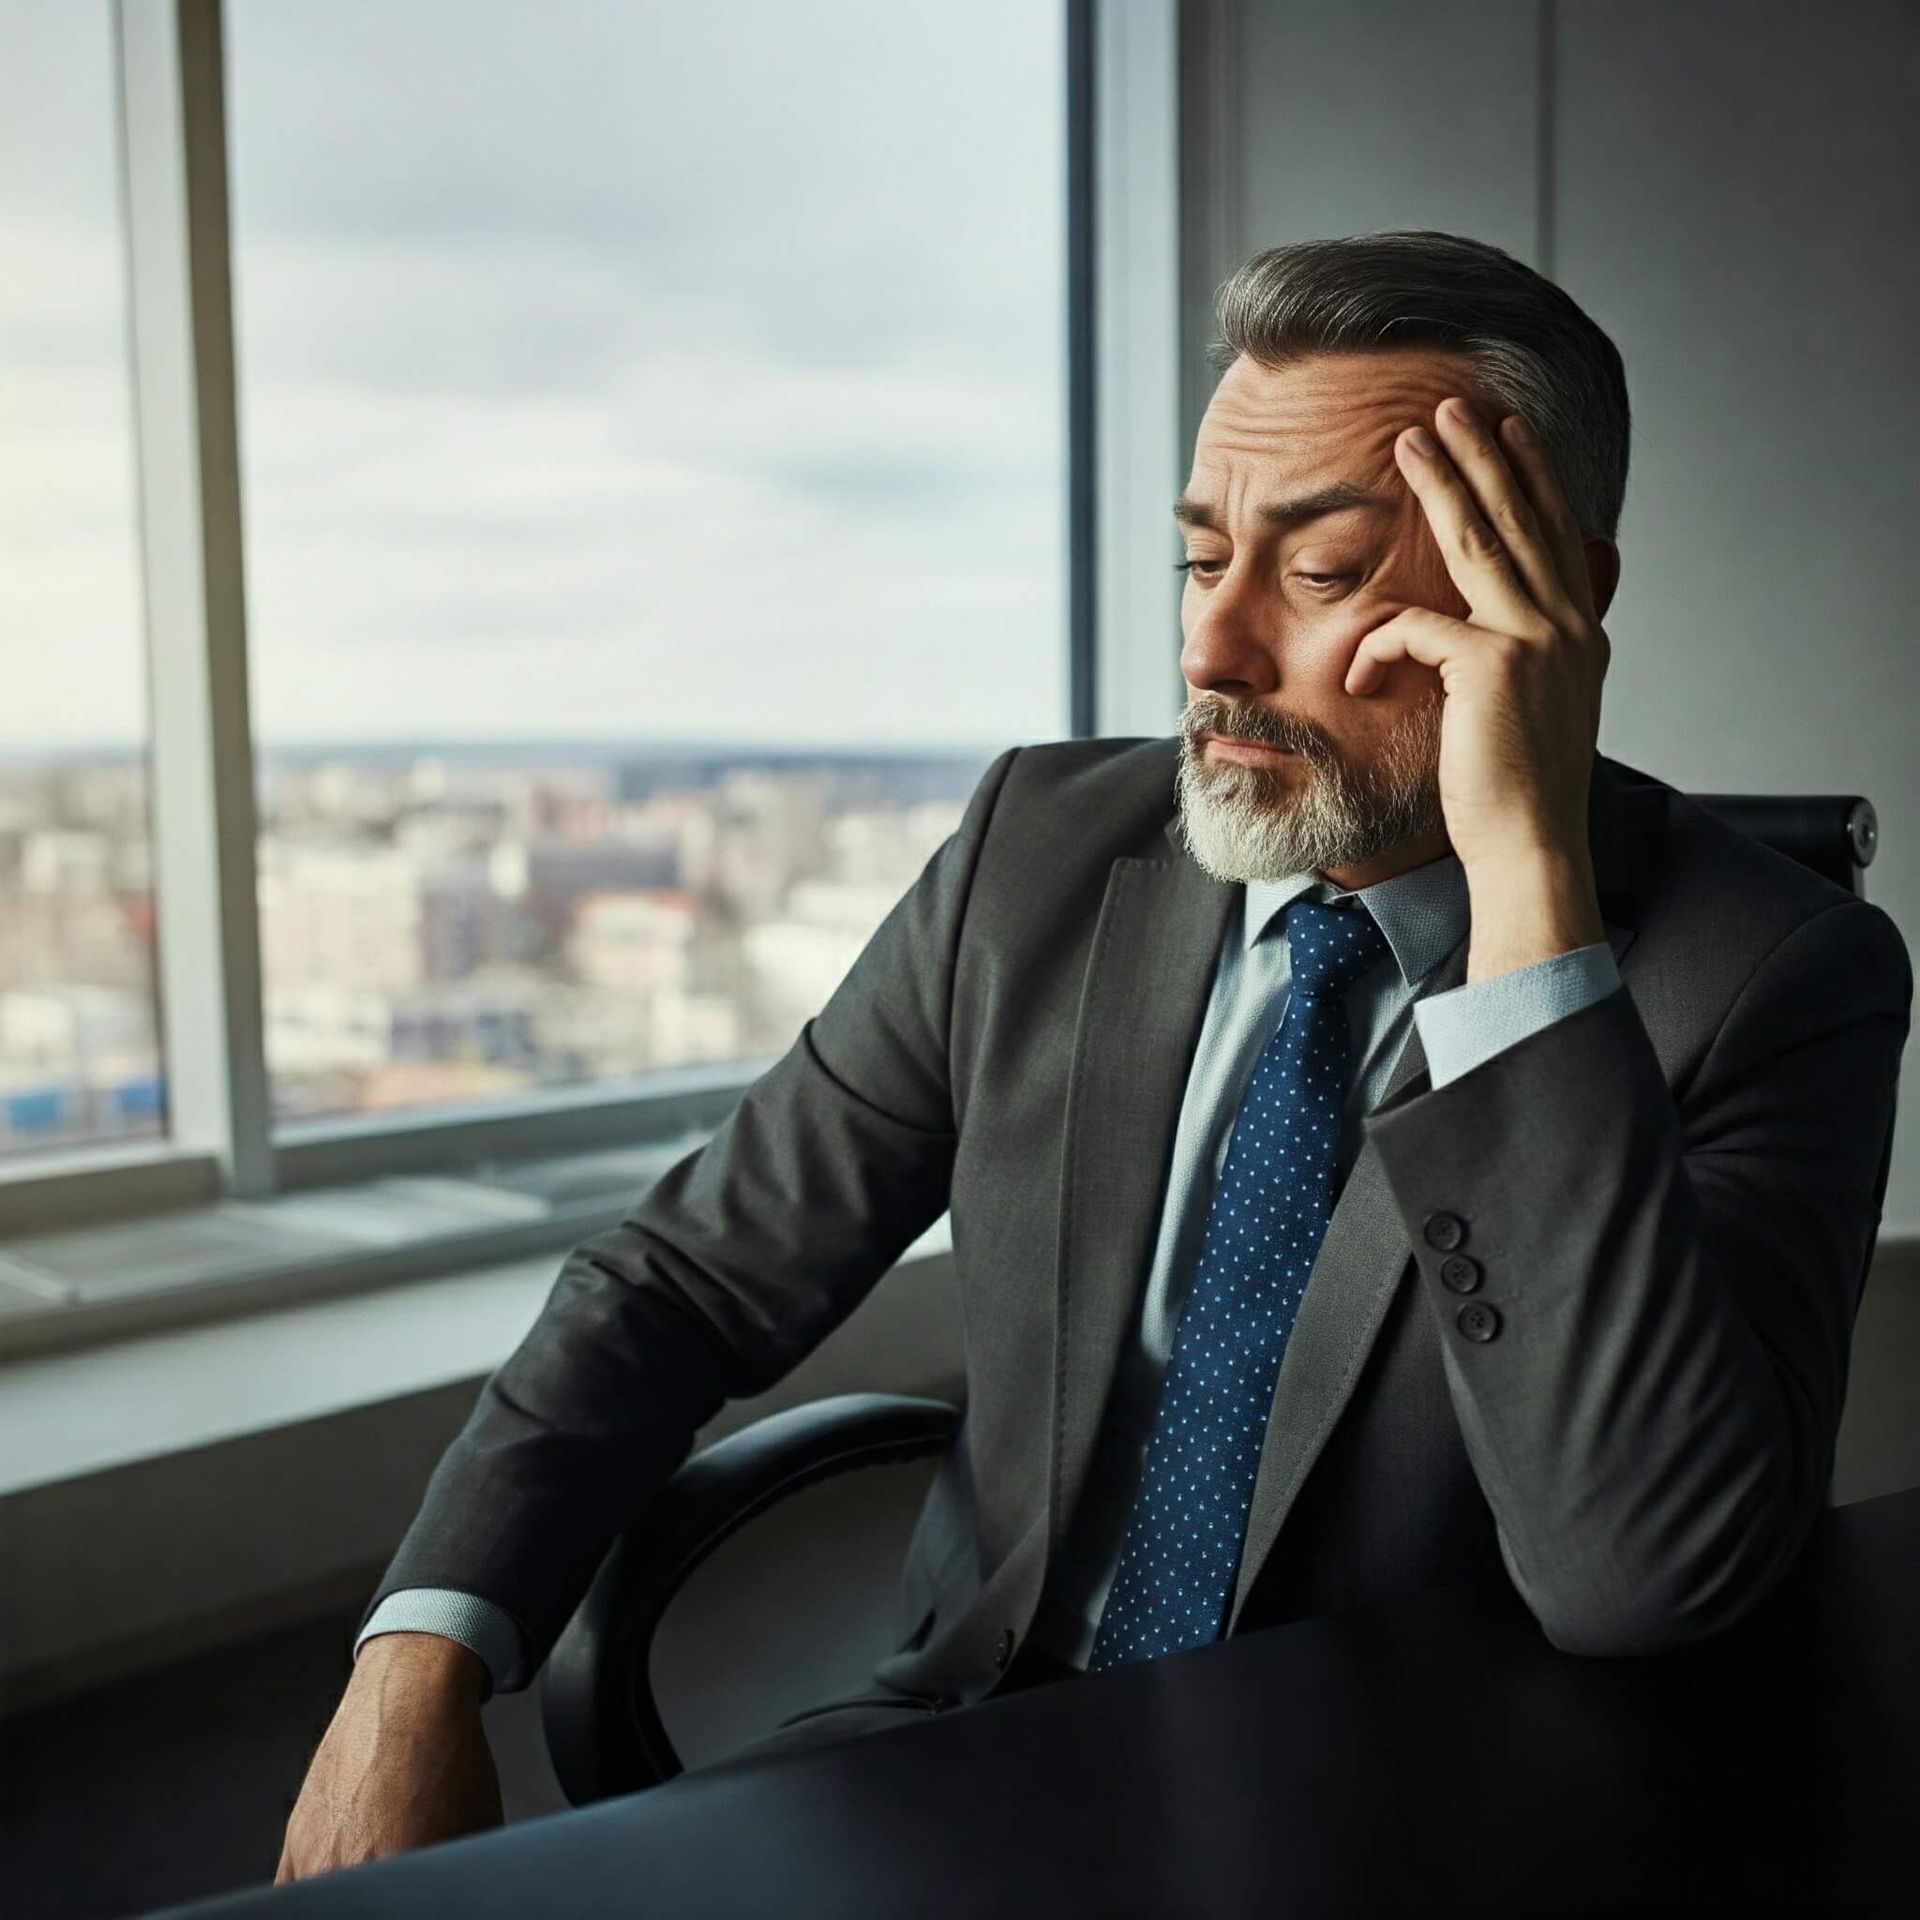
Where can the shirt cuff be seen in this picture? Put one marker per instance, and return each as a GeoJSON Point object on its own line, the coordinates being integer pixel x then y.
{"type": "Point", "coordinates": [1467, 1025]}
{"type": "Point", "coordinates": [490, 1631]}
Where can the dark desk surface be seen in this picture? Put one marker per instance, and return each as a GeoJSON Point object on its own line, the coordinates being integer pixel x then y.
{"type": "Point", "coordinates": [1434, 1752]}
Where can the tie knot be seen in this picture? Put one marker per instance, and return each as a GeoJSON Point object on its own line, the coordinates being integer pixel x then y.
{"type": "Point", "coordinates": [1330, 947]}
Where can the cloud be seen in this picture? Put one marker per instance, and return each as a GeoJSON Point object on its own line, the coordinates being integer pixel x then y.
{"type": "Point", "coordinates": [661, 369]}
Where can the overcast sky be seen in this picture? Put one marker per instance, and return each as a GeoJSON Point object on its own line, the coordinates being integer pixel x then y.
{"type": "Point", "coordinates": [605, 368]}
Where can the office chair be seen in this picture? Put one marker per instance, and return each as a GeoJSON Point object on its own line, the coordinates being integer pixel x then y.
{"type": "Point", "coordinates": [603, 1727]}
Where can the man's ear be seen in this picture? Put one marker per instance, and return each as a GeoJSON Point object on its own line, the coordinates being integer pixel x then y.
{"type": "Point", "coordinates": [1603, 571]}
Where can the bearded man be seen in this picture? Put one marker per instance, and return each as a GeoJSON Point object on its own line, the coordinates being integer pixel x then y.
{"type": "Point", "coordinates": [1387, 1140]}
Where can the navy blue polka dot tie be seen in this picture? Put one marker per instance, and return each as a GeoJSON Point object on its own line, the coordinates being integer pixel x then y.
{"type": "Point", "coordinates": [1181, 1555]}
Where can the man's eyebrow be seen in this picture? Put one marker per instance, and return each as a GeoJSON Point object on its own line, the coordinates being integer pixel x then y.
{"type": "Point", "coordinates": [1286, 513]}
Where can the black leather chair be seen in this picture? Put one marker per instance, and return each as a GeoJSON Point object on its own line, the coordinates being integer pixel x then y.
{"type": "Point", "coordinates": [603, 1727]}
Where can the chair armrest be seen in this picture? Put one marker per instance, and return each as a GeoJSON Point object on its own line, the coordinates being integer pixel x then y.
{"type": "Point", "coordinates": [602, 1724]}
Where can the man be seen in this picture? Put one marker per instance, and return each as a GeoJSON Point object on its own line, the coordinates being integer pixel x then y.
{"type": "Point", "coordinates": [1385, 1139]}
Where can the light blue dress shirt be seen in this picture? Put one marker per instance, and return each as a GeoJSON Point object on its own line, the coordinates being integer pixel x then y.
{"type": "Point", "coordinates": [1424, 915]}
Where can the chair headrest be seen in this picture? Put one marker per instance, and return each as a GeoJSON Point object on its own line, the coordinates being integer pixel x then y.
{"type": "Point", "coordinates": [1835, 834]}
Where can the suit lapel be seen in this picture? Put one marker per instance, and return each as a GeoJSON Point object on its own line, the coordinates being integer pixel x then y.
{"type": "Point", "coordinates": [1155, 949]}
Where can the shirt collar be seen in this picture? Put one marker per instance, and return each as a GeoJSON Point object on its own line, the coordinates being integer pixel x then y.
{"type": "Point", "coordinates": [1423, 912]}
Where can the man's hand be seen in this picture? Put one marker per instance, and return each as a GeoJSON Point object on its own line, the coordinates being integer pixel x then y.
{"type": "Point", "coordinates": [404, 1762]}
{"type": "Point", "coordinates": [1521, 677]}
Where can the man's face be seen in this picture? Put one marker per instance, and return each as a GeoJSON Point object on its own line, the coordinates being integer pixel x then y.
{"type": "Point", "coordinates": [1275, 605]}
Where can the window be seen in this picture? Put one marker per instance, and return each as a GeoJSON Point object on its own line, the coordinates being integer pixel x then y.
{"type": "Point", "coordinates": [518, 535]}
{"type": "Point", "coordinates": [79, 1048]}
{"type": "Point", "coordinates": [652, 430]}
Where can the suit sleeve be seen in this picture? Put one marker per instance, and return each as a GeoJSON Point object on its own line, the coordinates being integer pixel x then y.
{"type": "Point", "coordinates": [739, 1261]}
{"type": "Point", "coordinates": [1652, 1404]}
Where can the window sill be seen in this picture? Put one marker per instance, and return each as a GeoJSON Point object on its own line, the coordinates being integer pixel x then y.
{"type": "Point", "coordinates": [67, 1414]}
{"type": "Point", "coordinates": [120, 1278]}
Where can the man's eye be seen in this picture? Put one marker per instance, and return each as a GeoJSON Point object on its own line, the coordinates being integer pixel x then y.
{"type": "Point", "coordinates": [1207, 568]}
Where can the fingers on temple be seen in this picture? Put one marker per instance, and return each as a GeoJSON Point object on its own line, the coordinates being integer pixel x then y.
{"type": "Point", "coordinates": [1476, 557]}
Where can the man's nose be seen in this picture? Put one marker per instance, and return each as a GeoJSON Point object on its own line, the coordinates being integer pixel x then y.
{"type": "Point", "coordinates": [1232, 641]}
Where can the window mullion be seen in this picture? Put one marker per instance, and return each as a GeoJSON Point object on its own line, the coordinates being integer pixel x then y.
{"type": "Point", "coordinates": [175, 186]}
{"type": "Point", "coordinates": [1137, 373]}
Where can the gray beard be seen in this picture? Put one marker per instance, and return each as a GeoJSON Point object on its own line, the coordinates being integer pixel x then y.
{"type": "Point", "coordinates": [1250, 823]}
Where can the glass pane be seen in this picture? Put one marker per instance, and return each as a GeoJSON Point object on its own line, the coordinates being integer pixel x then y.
{"type": "Point", "coordinates": [79, 1049]}
{"type": "Point", "coordinates": [652, 431]}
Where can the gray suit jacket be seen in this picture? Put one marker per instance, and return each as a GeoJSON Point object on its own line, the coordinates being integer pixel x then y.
{"type": "Point", "coordinates": [1670, 1196]}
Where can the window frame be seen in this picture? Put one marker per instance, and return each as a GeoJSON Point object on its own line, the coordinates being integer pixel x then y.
{"type": "Point", "coordinates": [1120, 349]}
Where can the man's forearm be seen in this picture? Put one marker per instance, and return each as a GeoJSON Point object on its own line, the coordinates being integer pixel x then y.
{"type": "Point", "coordinates": [421, 1671]}
{"type": "Point", "coordinates": [489, 1631]}
{"type": "Point", "coordinates": [1529, 908]}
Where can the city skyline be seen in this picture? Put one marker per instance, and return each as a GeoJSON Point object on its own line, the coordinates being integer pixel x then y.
{"type": "Point", "coordinates": [440, 926]}
{"type": "Point", "coordinates": [15, 753]}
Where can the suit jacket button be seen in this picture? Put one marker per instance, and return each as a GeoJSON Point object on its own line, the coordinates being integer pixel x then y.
{"type": "Point", "coordinates": [1460, 1272]}
{"type": "Point", "coordinates": [1444, 1230]}
{"type": "Point", "coordinates": [1477, 1320]}
{"type": "Point", "coordinates": [1003, 1652]}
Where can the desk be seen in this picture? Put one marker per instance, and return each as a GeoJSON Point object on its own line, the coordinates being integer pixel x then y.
{"type": "Point", "coordinates": [1437, 1751]}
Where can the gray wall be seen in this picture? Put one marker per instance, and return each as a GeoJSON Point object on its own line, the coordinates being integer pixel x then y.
{"type": "Point", "coordinates": [1730, 190]}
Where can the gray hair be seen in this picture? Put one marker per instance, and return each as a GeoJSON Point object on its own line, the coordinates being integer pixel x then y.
{"type": "Point", "coordinates": [1534, 350]}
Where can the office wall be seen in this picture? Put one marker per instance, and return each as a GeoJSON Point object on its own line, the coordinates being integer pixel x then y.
{"type": "Point", "coordinates": [1730, 188]}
